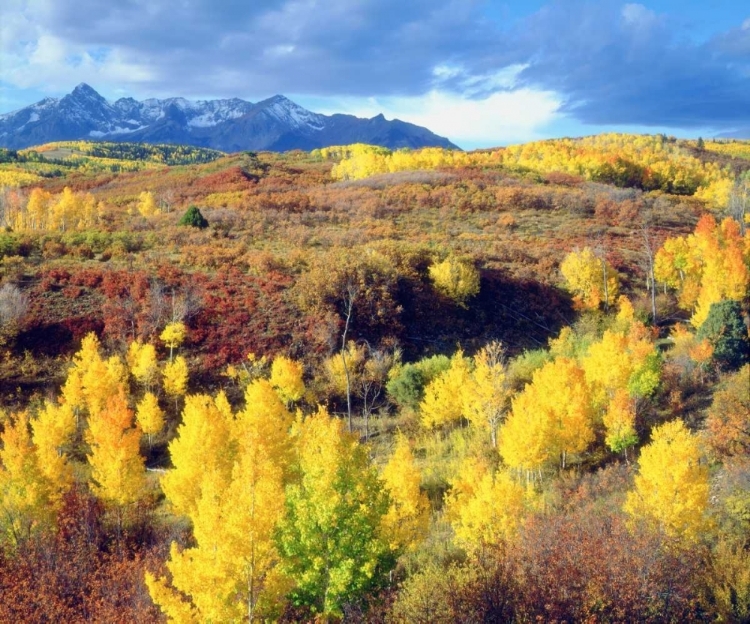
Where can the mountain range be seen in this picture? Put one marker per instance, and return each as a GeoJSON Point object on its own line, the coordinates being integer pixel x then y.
{"type": "Point", "coordinates": [275, 124]}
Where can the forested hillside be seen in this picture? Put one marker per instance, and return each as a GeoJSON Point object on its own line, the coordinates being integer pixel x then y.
{"type": "Point", "coordinates": [375, 385]}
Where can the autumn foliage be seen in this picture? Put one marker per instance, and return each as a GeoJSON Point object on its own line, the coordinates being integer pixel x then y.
{"type": "Point", "coordinates": [409, 386]}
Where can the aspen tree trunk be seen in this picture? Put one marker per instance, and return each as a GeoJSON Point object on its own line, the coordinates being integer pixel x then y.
{"type": "Point", "coordinates": [349, 303]}
{"type": "Point", "coordinates": [651, 279]}
{"type": "Point", "coordinates": [606, 286]}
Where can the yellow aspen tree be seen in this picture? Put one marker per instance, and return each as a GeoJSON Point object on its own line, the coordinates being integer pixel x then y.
{"type": "Point", "coordinates": [72, 393]}
{"type": "Point", "coordinates": [620, 369]}
{"type": "Point", "coordinates": [51, 432]}
{"type": "Point", "coordinates": [173, 336]}
{"type": "Point", "coordinates": [619, 421]}
{"type": "Point", "coordinates": [525, 438]}
{"type": "Point", "coordinates": [201, 574]}
{"type": "Point", "coordinates": [625, 320]}
{"type": "Point", "coordinates": [255, 506]}
{"type": "Point", "coordinates": [149, 415]}
{"type": "Point", "coordinates": [286, 378]}
{"type": "Point", "coordinates": [625, 312]}
{"type": "Point", "coordinates": [89, 352]}
{"type": "Point", "coordinates": [607, 366]}
{"type": "Point", "coordinates": [92, 380]}
{"type": "Point", "coordinates": [118, 472]}
{"type": "Point", "coordinates": [202, 445]}
{"type": "Point", "coordinates": [455, 278]}
{"type": "Point", "coordinates": [489, 510]}
{"type": "Point", "coordinates": [231, 573]}
{"type": "Point", "coordinates": [25, 497]}
{"type": "Point", "coordinates": [678, 265]}
{"type": "Point", "coordinates": [726, 275]}
{"type": "Point", "coordinates": [265, 413]}
{"type": "Point", "coordinates": [147, 204]}
{"type": "Point", "coordinates": [350, 361]}
{"type": "Point", "coordinates": [706, 267]}
{"type": "Point", "coordinates": [565, 345]}
{"type": "Point", "coordinates": [117, 371]}
{"type": "Point", "coordinates": [89, 212]}
{"type": "Point", "coordinates": [486, 390]}
{"type": "Point", "coordinates": [143, 363]}
{"type": "Point", "coordinates": [38, 209]}
{"type": "Point", "coordinates": [66, 211]}
{"type": "Point", "coordinates": [568, 401]}
{"type": "Point", "coordinates": [671, 488]}
{"type": "Point", "coordinates": [551, 418]}
{"type": "Point", "coordinates": [101, 380]}
{"type": "Point", "coordinates": [222, 404]}
{"type": "Point", "coordinates": [443, 396]}
{"type": "Point", "coordinates": [591, 280]}
{"type": "Point", "coordinates": [408, 516]}
{"type": "Point", "coordinates": [175, 376]}
{"type": "Point", "coordinates": [177, 609]}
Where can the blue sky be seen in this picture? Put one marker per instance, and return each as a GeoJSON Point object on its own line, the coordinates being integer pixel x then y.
{"type": "Point", "coordinates": [482, 73]}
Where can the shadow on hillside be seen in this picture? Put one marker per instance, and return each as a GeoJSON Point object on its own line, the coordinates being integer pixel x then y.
{"type": "Point", "coordinates": [57, 338]}
{"type": "Point", "coordinates": [521, 314]}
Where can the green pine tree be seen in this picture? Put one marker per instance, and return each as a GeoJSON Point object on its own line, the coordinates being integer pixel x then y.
{"type": "Point", "coordinates": [193, 218]}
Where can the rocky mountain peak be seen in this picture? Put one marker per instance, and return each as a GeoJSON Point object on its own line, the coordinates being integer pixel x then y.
{"type": "Point", "coordinates": [276, 124]}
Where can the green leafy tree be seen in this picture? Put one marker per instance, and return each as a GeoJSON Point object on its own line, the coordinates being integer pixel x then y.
{"type": "Point", "coordinates": [330, 540]}
{"type": "Point", "coordinates": [406, 382]}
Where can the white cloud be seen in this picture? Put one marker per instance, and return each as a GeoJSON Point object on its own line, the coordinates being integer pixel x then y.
{"type": "Point", "coordinates": [279, 50]}
{"type": "Point", "coordinates": [504, 78]}
{"type": "Point", "coordinates": [446, 72]}
{"type": "Point", "coordinates": [638, 15]}
{"type": "Point", "coordinates": [503, 117]}
{"type": "Point", "coordinates": [57, 64]}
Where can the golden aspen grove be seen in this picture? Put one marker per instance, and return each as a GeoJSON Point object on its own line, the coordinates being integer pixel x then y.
{"type": "Point", "coordinates": [370, 385]}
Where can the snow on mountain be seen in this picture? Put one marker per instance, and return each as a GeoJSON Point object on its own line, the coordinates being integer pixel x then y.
{"type": "Point", "coordinates": [287, 112]}
{"type": "Point", "coordinates": [32, 110]}
{"type": "Point", "coordinates": [229, 124]}
{"type": "Point", "coordinates": [205, 114]}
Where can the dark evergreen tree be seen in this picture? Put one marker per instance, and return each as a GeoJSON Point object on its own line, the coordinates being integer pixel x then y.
{"type": "Point", "coordinates": [725, 329]}
{"type": "Point", "coordinates": [193, 218]}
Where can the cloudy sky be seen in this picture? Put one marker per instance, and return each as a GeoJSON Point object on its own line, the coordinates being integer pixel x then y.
{"type": "Point", "coordinates": [482, 73]}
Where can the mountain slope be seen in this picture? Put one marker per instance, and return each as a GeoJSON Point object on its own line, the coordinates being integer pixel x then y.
{"type": "Point", "coordinates": [275, 124]}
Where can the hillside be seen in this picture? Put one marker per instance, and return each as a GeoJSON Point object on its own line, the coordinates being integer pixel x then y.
{"type": "Point", "coordinates": [459, 379]}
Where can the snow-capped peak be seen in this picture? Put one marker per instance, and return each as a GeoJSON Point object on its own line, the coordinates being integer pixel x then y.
{"type": "Point", "coordinates": [287, 112]}
{"type": "Point", "coordinates": [229, 124]}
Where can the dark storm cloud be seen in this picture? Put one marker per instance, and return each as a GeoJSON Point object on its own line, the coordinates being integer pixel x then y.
{"type": "Point", "coordinates": [623, 64]}
{"type": "Point", "coordinates": [330, 47]}
{"type": "Point", "coordinates": [611, 63]}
